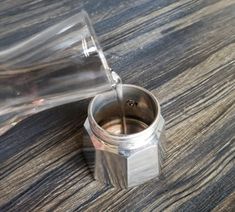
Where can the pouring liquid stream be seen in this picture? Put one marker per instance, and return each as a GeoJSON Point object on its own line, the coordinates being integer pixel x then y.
{"type": "Point", "coordinates": [119, 93]}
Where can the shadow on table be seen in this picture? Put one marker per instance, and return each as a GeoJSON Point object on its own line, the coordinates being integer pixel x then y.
{"type": "Point", "coordinates": [61, 122]}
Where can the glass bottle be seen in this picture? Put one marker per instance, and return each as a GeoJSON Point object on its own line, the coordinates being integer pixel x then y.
{"type": "Point", "coordinates": [61, 64]}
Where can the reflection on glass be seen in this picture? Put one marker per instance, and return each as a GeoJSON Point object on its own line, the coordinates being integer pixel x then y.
{"type": "Point", "coordinates": [61, 64]}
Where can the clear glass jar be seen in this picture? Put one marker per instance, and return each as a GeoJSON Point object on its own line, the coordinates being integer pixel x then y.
{"type": "Point", "coordinates": [62, 64]}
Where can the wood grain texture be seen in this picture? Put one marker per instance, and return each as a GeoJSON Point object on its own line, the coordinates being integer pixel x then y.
{"type": "Point", "coordinates": [184, 51]}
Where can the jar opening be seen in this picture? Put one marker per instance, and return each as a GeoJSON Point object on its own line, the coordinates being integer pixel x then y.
{"type": "Point", "coordinates": [141, 110]}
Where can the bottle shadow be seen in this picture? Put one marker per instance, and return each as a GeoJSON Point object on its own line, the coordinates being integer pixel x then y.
{"type": "Point", "coordinates": [45, 142]}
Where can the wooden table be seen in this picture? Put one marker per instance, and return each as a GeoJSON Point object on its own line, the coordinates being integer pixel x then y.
{"type": "Point", "coordinates": [184, 51]}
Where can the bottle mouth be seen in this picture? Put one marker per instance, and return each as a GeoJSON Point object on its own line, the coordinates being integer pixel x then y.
{"type": "Point", "coordinates": [142, 112]}
{"type": "Point", "coordinates": [99, 50]}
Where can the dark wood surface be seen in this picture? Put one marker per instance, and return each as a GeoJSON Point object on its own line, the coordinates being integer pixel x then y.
{"type": "Point", "coordinates": [184, 51]}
